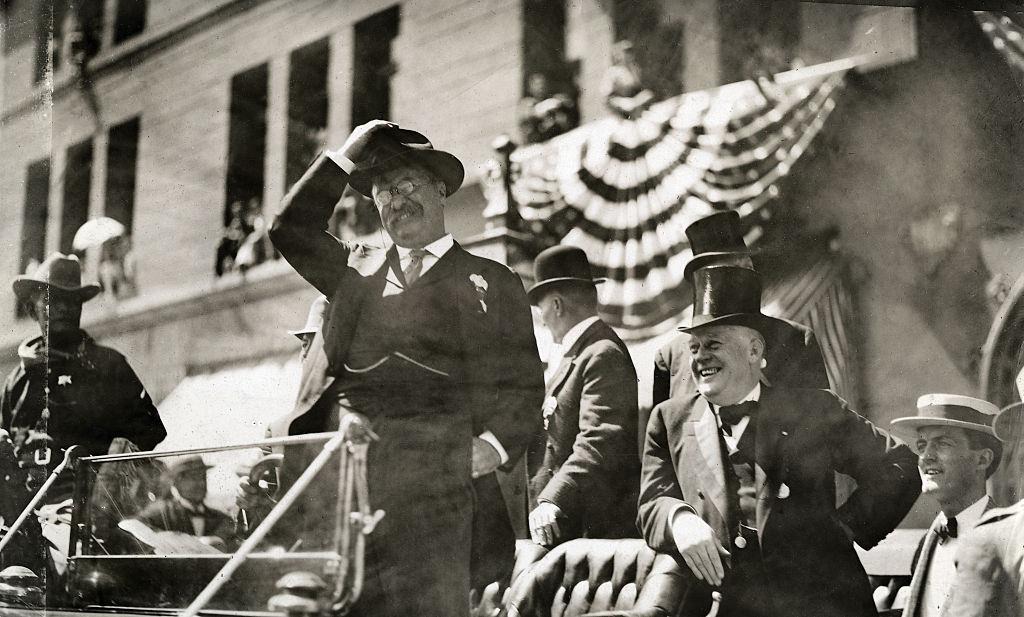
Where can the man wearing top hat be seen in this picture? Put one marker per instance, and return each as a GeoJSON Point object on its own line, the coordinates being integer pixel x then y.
{"type": "Point", "coordinates": [738, 478]}
{"type": "Point", "coordinates": [67, 390]}
{"type": "Point", "coordinates": [793, 357]}
{"type": "Point", "coordinates": [990, 560]}
{"type": "Point", "coordinates": [583, 468]}
{"type": "Point", "coordinates": [434, 345]}
{"type": "Point", "coordinates": [957, 452]}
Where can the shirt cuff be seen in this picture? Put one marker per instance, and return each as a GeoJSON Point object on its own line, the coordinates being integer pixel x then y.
{"type": "Point", "coordinates": [675, 512]}
{"type": "Point", "coordinates": [491, 439]}
{"type": "Point", "coordinates": [341, 161]}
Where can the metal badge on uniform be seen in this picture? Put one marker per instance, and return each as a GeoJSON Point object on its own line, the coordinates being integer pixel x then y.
{"type": "Point", "coordinates": [550, 406]}
{"type": "Point", "coordinates": [63, 380]}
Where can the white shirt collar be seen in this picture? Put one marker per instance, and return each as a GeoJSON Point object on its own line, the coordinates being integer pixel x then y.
{"type": "Point", "coordinates": [970, 515]}
{"type": "Point", "coordinates": [576, 332]}
{"type": "Point", "coordinates": [437, 248]}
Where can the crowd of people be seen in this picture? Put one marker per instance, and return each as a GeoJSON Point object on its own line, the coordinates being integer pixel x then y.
{"type": "Point", "coordinates": [734, 475]}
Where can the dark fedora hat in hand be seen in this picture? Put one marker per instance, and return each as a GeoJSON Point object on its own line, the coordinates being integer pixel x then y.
{"type": "Point", "coordinates": [966, 412]}
{"type": "Point", "coordinates": [728, 296]}
{"type": "Point", "coordinates": [714, 238]}
{"type": "Point", "coordinates": [59, 273]}
{"type": "Point", "coordinates": [391, 147]}
{"type": "Point", "coordinates": [559, 265]}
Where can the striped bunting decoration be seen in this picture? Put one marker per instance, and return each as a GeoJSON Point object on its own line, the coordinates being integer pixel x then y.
{"type": "Point", "coordinates": [624, 190]}
{"type": "Point", "coordinates": [1006, 30]}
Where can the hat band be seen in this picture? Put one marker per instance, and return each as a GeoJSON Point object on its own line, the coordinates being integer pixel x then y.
{"type": "Point", "coordinates": [955, 412]}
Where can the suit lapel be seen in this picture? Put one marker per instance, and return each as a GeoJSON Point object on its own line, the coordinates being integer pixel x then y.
{"type": "Point", "coordinates": [709, 466]}
{"type": "Point", "coordinates": [931, 538]}
{"type": "Point", "coordinates": [569, 358]}
{"type": "Point", "coordinates": [443, 268]}
{"type": "Point", "coordinates": [770, 430]}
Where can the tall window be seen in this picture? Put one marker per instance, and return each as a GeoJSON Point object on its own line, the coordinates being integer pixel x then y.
{"type": "Point", "coordinates": [130, 19]}
{"type": "Point", "coordinates": [247, 138]}
{"type": "Point", "coordinates": [77, 185]}
{"type": "Point", "coordinates": [657, 43]}
{"type": "Point", "coordinates": [373, 66]}
{"type": "Point", "coordinates": [33, 225]}
{"type": "Point", "coordinates": [307, 107]}
{"type": "Point", "coordinates": [758, 38]}
{"type": "Point", "coordinates": [122, 154]}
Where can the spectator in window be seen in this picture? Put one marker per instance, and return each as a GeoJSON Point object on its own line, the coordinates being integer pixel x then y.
{"type": "Point", "coordinates": [623, 86]}
{"type": "Point", "coordinates": [117, 268]}
{"type": "Point", "coordinates": [543, 115]}
{"type": "Point", "coordinates": [234, 234]}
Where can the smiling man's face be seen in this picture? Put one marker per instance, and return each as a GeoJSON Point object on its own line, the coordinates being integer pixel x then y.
{"type": "Point", "coordinates": [951, 471]}
{"type": "Point", "coordinates": [725, 361]}
{"type": "Point", "coordinates": [417, 219]}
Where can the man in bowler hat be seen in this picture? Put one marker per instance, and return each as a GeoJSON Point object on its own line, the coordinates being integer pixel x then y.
{"type": "Point", "coordinates": [67, 390]}
{"type": "Point", "coordinates": [957, 452]}
{"type": "Point", "coordinates": [793, 357]}
{"type": "Point", "coordinates": [738, 478]}
{"type": "Point", "coordinates": [434, 345]}
{"type": "Point", "coordinates": [583, 468]}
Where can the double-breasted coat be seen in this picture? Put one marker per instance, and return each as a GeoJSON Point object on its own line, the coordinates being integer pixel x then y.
{"type": "Point", "coordinates": [803, 437]}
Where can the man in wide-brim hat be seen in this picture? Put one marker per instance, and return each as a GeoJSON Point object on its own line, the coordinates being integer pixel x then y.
{"type": "Point", "coordinates": [957, 452]}
{"type": "Point", "coordinates": [792, 355]}
{"type": "Point", "coordinates": [184, 510]}
{"type": "Point", "coordinates": [435, 346]}
{"type": "Point", "coordinates": [738, 478]}
{"type": "Point", "coordinates": [89, 392]}
{"type": "Point", "coordinates": [583, 467]}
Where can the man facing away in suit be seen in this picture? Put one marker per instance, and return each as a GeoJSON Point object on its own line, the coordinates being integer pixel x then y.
{"type": "Point", "coordinates": [583, 468]}
{"type": "Point", "coordinates": [739, 478]}
{"type": "Point", "coordinates": [957, 452]}
{"type": "Point", "coordinates": [434, 345]}
{"type": "Point", "coordinates": [792, 353]}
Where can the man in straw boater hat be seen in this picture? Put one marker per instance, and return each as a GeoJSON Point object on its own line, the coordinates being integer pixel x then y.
{"type": "Point", "coordinates": [738, 478]}
{"type": "Point", "coordinates": [435, 346]}
{"type": "Point", "coordinates": [67, 390]}
{"type": "Point", "coordinates": [793, 357]}
{"type": "Point", "coordinates": [957, 452]}
{"type": "Point", "coordinates": [990, 561]}
{"type": "Point", "coordinates": [583, 467]}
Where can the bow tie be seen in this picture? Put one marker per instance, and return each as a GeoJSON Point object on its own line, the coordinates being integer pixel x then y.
{"type": "Point", "coordinates": [732, 414]}
{"type": "Point", "coordinates": [948, 529]}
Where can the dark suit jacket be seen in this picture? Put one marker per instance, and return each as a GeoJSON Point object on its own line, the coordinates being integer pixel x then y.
{"type": "Point", "coordinates": [501, 377]}
{"type": "Point", "coordinates": [794, 360]}
{"type": "Point", "coordinates": [802, 438]}
{"type": "Point", "coordinates": [586, 462]}
{"type": "Point", "coordinates": [990, 567]}
{"type": "Point", "coordinates": [169, 515]}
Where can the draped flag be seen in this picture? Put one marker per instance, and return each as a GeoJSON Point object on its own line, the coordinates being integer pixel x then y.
{"type": "Point", "coordinates": [624, 190]}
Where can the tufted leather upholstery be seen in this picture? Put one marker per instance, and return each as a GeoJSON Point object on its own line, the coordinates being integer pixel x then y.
{"type": "Point", "coordinates": [610, 577]}
{"type": "Point", "coordinates": [488, 602]}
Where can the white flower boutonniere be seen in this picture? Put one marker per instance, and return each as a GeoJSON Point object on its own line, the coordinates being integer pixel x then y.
{"type": "Point", "coordinates": [480, 286]}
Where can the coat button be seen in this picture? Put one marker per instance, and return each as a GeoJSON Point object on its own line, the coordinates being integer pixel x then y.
{"type": "Point", "coordinates": [740, 542]}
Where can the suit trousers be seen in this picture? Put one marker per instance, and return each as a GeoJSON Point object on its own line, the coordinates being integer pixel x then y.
{"type": "Point", "coordinates": [746, 590]}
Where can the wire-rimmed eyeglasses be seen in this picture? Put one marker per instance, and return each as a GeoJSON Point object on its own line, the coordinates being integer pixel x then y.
{"type": "Point", "coordinates": [383, 197]}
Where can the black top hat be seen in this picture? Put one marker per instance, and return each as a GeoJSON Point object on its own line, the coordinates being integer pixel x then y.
{"type": "Point", "coordinates": [391, 147]}
{"type": "Point", "coordinates": [713, 237]}
{"type": "Point", "coordinates": [58, 273]}
{"type": "Point", "coordinates": [560, 264]}
{"type": "Point", "coordinates": [727, 295]}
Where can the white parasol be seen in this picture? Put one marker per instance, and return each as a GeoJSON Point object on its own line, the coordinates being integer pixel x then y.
{"type": "Point", "coordinates": [95, 232]}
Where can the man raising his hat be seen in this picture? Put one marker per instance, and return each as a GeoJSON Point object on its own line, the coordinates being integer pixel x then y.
{"type": "Point", "coordinates": [68, 390]}
{"type": "Point", "coordinates": [583, 468]}
{"type": "Point", "coordinates": [792, 355]}
{"type": "Point", "coordinates": [738, 478]}
{"type": "Point", "coordinates": [957, 452]}
{"type": "Point", "coordinates": [434, 345]}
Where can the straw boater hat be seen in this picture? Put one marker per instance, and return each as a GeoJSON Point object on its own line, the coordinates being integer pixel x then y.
{"type": "Point", "coordinates": [964, 412]}
{"type": "Point", "coordinates": [728, 296]}
{"type": "Point", "coordinates": [59, 274]}
{"type": "Point", "coordinates": [560, 264]}
{"type": "Point", "coordinates": [314, 320]}
{"type": "Point", "coordinates": [713, 238]}
{"type": "Point", "coordinates": [390, 147]}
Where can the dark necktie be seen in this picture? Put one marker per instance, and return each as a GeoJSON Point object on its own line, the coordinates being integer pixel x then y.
{"type": "Point", "coordinates": [414, 268]}
{"type": "Point", "coordinates": [948, 529]}
{"type": "Point", "coordinates": [732, 414]}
